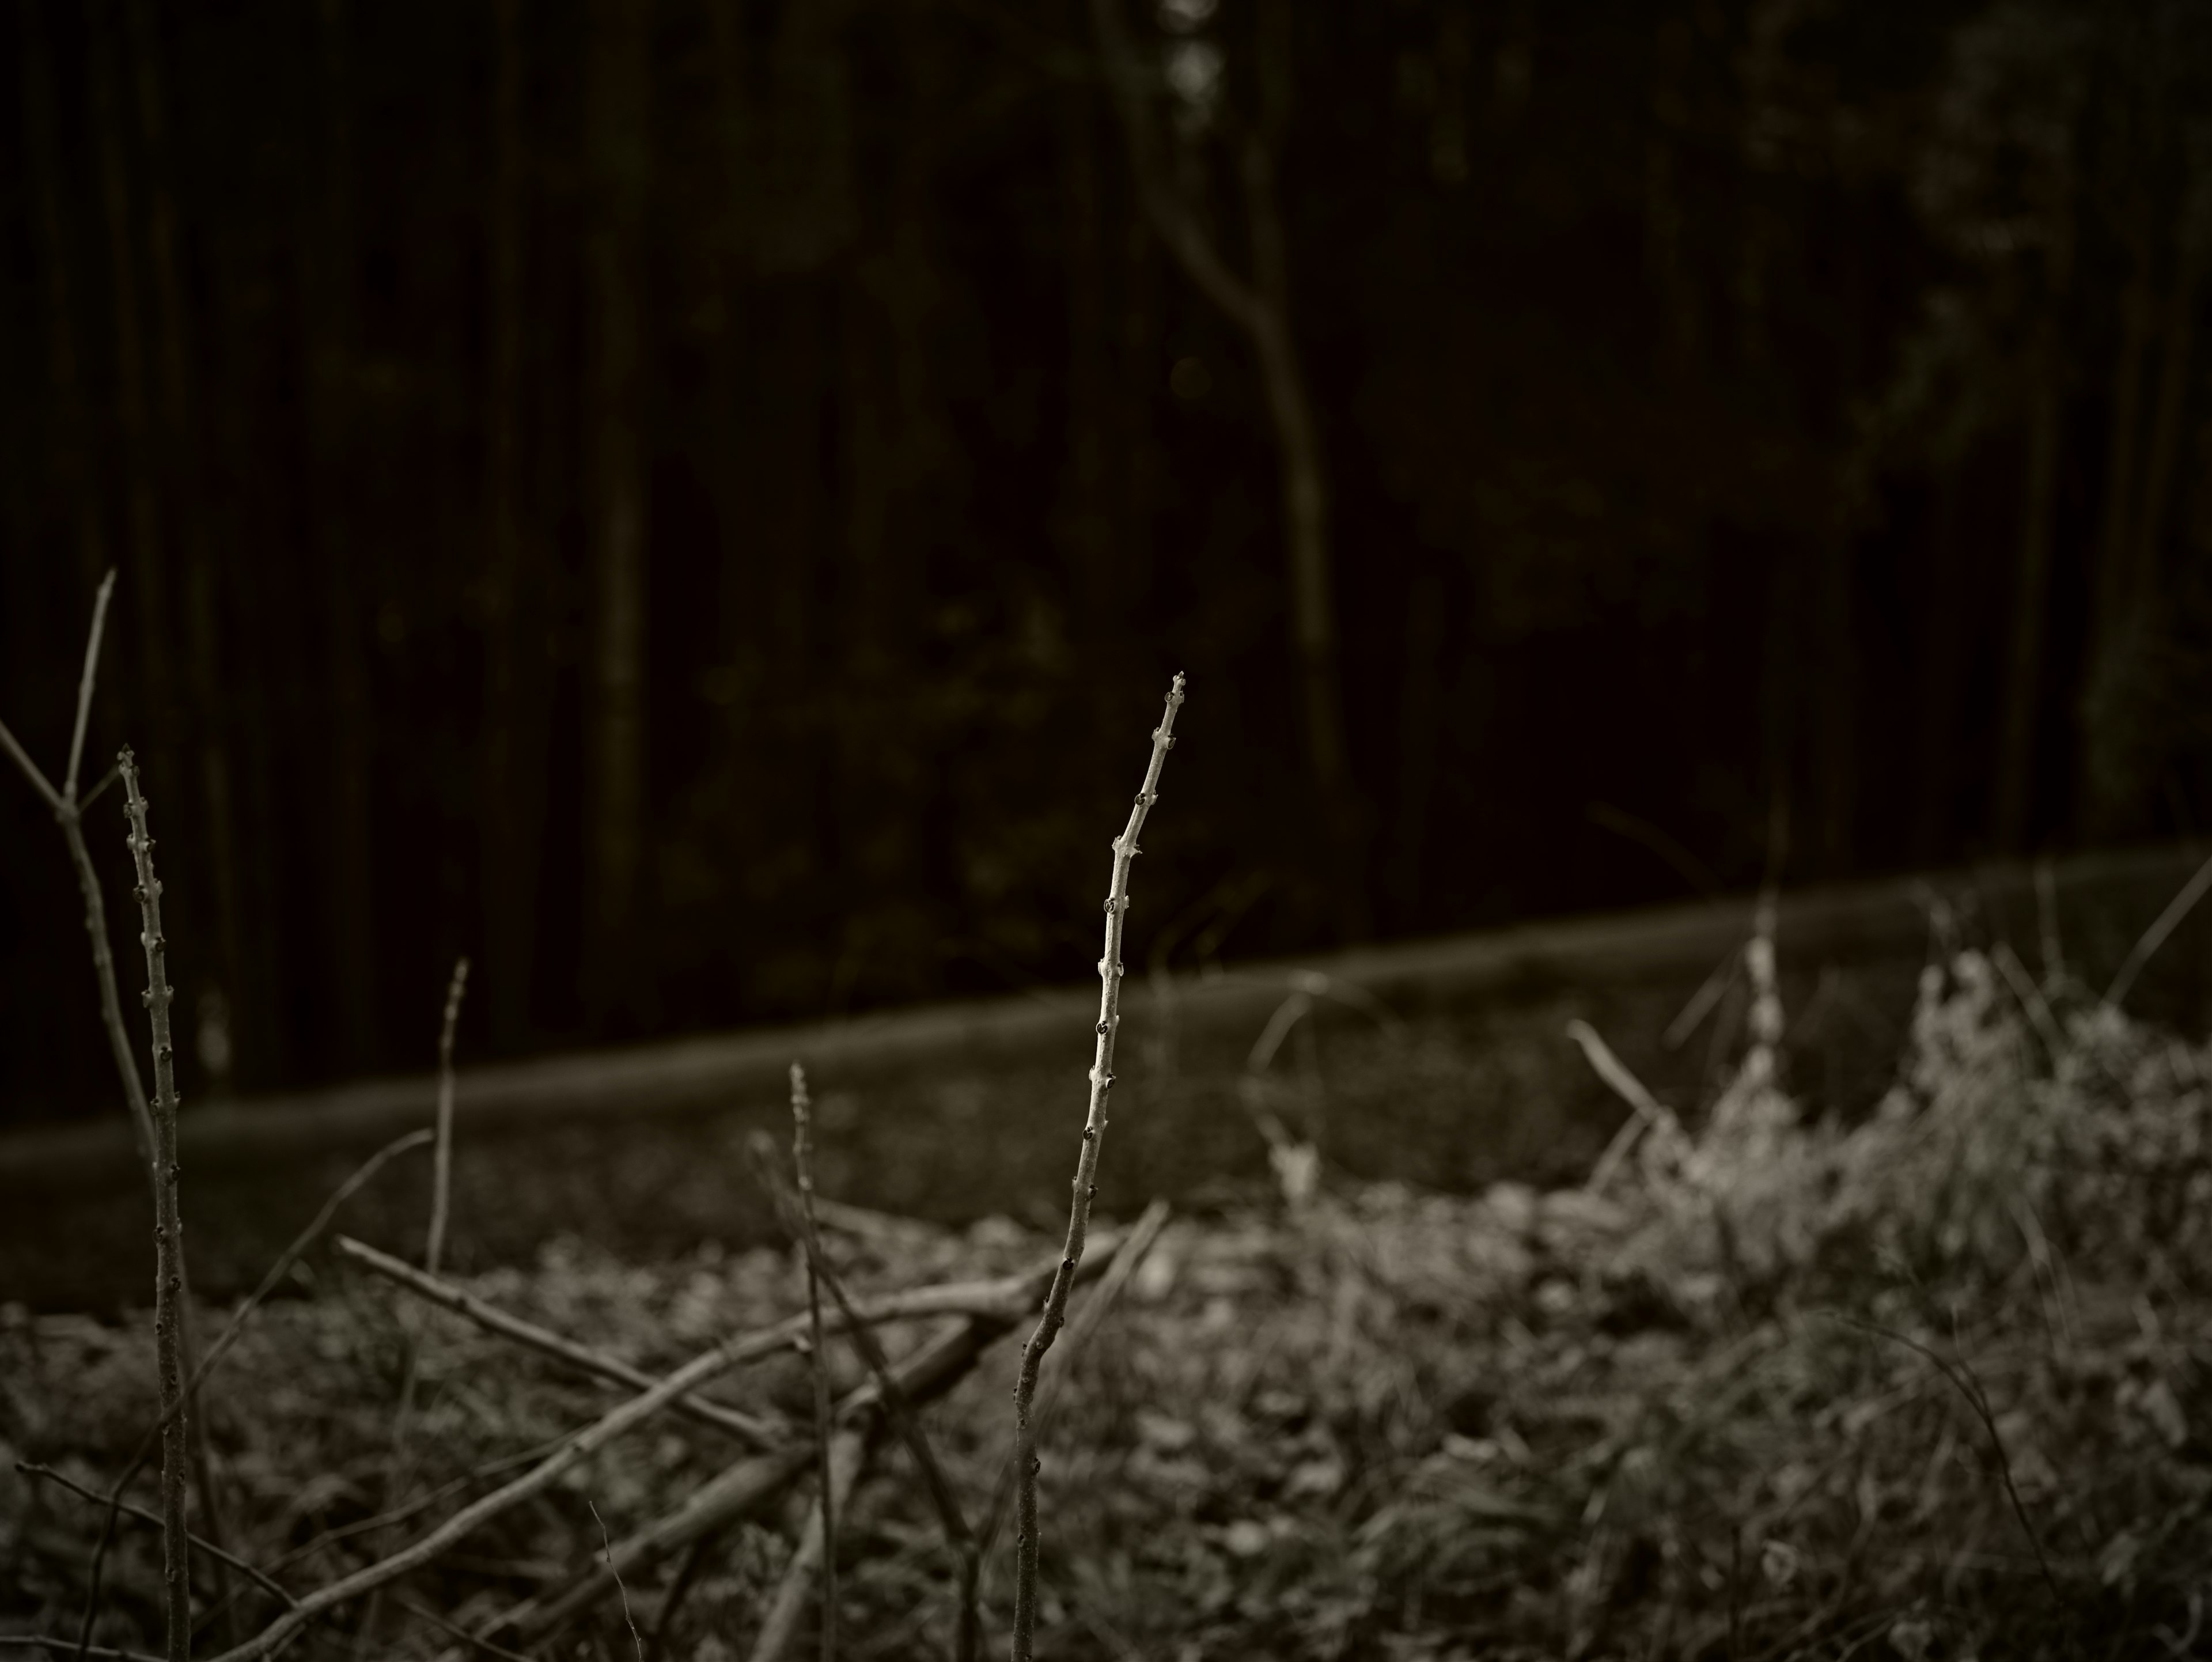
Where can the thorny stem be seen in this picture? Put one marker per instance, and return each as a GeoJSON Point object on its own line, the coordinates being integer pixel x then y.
{"type": "Point", "coordinates": [168, 1229]}
{"type": "Point", "coordinates": [802, 1160]}
{"type": "Point", "coordinates": [1084, 1186]}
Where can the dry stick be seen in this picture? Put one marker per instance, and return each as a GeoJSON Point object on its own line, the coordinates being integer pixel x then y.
{"type": "Point", "coordinates": [433, 1248]}
{"type": "Point", "coordinates": [441, 1169]}
{"type": "Point", "coordinates": [818, 1357]}
{"type": "Point", "coordinates": [168, 1229]}
{"type": "Point", "coordinates": [848, 1453]}
{"type": "Point", "coordinates": [290, 1256]}
{"type": "Point", "coordinates": [958, 1535]}
{"type": "Point", "coordinates": [2155, 937]}
{"type": "Point", "coordinates": [32, 1469]}
{"type": "Point", "coordinates": [608, 1546]}
{"type": "Point", "coordinates": [1087, 1171]}
{"type": "Point", "coordinates": [1649, 1114]}
{"type": "Point", "coordinates": [938, 1366]}
{"type": "Point", "coordinates": [1122, 1265]}
{"type": "Point", "coordinates": [97, 1653]}
{"type": "Point", "coordinates": [69, 812]}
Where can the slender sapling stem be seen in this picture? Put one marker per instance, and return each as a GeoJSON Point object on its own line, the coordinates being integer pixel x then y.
{"type": "Point", "coordinates": [1026, 1465]}
{"type": "Point", "coordinates": [802, 1160]}
{"type": "Point", "coordinates": [169, 1231]}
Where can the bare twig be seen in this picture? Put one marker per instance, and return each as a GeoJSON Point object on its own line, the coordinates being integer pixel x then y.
{"type": "Point", "coordinates": [802, 1159]}
{"type": "Point", "coordinates": [935, 1369]}
{"type": "Point", "coordinates": [441, 1176]}
{"type": "Point", "coordinates": [169, 1231]}
{"type": "Point", "coordinates": [958, 1535]}
{"type": "Point", "coordinates": [86, 679]}
{"type": "Point", "coordinates": [98, 1652]}
{"type": "Point", "coordinates": [1087, 1171]}
{"type": "Point", "coordinates": [755, 1431]}
{"type": "Point", "coordinates": [228, 1336]}
{"type": "Point", "coordinates": [441, 1169]}
{"type": "Point", "coordinates": [258, 1577]}
{"type": "Point", "coordinates": [848, 1454]}
{"type": "Point", "coordinates": [1124, 1263]}
{"type": "Point", "coordinates": [1649, 1114]}
{"type": "Point", "coordinates": [2155, 937]}
{"type": "Point", "coordinates": [608, 1546]}
{"type": "Point", "coordinates": [455, 1630]}
{"type": "Point", "coordinates": [40, 782]}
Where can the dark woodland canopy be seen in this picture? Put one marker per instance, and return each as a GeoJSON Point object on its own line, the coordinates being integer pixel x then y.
{"type": "Point", "coordinates": [696, 503]}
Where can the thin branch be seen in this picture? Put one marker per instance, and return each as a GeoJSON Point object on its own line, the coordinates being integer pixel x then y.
{"type": "Point", "coordinates": [97, 1653]}
{"type": "Point", "coordinates": [1124, 1263]}
{"type": "Point", "coordinates": [455, 1630]}
{"type": "Point", "coordinates": [290, 1256]}
{"type": "Point", "coordinates": [2155, 937]}
{"type": "Point", "coordinates": [608, 1546]}
{"type": "Point", "coordinates": [938, 1366]}
{"type": "Point", "coordinates": [441, 1169]}
{"type": "Point", "coordinates": [1649, 1114]}
{"type": "Point", "coordinates": [708, 1365]}
{"type": "Point", "coordinates": [258, 1577]}
{"type": "Point", "coordinates": [802, 1159]}
{"type": "Point", "coordinates": [40, 783]}
{"type": "Point", "coordinates": [755, 1432]}
{"type": "Point", "coordinates": [958, 1535]}
{"type": "Point", "coordinates": [1083, 1189]}
{"type": "Point", "coordinates": [85, 682]}
{"type": "Point", "coordinates": [168, 1232]}
{"type": "Point", "coordinates": [848, 1454]}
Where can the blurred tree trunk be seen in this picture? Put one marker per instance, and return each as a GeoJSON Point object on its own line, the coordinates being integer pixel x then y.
{"type": "Point", "coordinates": [1665, 246]}
{"type": "Point", "coordinates": [2179, 340]}
{"type": "Point", "coordinates": [184, 474]}
{"type": "Point", "coordinates": [1089, 514]}
{"type": "Point", "coordinates": [2116, 541]}
{"type": "Point", "coordinates": [149, 610]}
{"type": "Point", "coordinates": [72, 454]}
{"type": "Point", "coordinates": [1259, 309]}
{"type": "Point", "coordinates": [1941, 677]}
{"type": "Point", "coordinates": [515, 694]}
{"type": "Point", "coordinates": [619, 40]}
{"type": "Point", "coordinates": [327, 252]}
{"type": "Point", "coordinates": [2024, 669]}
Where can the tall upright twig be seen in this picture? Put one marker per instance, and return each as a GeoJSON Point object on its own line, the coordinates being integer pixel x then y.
{"type": "Point", "coordinates": [168, 1228]}
{"type": "Point", "coordinates": [441, 1158]}
{"type": "Point", "coordinates": [1026, 1464]}
{"type": "Point", "coordinates": [958, 1535]}
{"type": "Point", "coordinates": [68, 809]}
{"type": "Point", "coordinates": [802, 1160]}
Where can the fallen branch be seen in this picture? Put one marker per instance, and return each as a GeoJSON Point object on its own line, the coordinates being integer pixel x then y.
{"type": "Point", "coordinates": [849, 1454]}
{"type": "Point", "coordinates": [755, 1431]}
{"type": "Point", "coordinates": [958, 1535]}
{"type": "Point", "coordinates": [258, 1577]}
{"type": "Point", "coordinates": [740, 1489]}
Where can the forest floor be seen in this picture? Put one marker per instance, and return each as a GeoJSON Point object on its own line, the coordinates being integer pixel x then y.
{"type": "Point", "coordinates": [1931, 1386]}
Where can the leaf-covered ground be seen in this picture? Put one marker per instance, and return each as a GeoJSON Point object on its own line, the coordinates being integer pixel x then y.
{"type": "Point", "coordinates": [1935, 1384]}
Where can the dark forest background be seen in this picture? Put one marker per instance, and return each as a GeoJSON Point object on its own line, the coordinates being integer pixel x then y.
{"type": "Point", "coordinates": [696, 503]}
